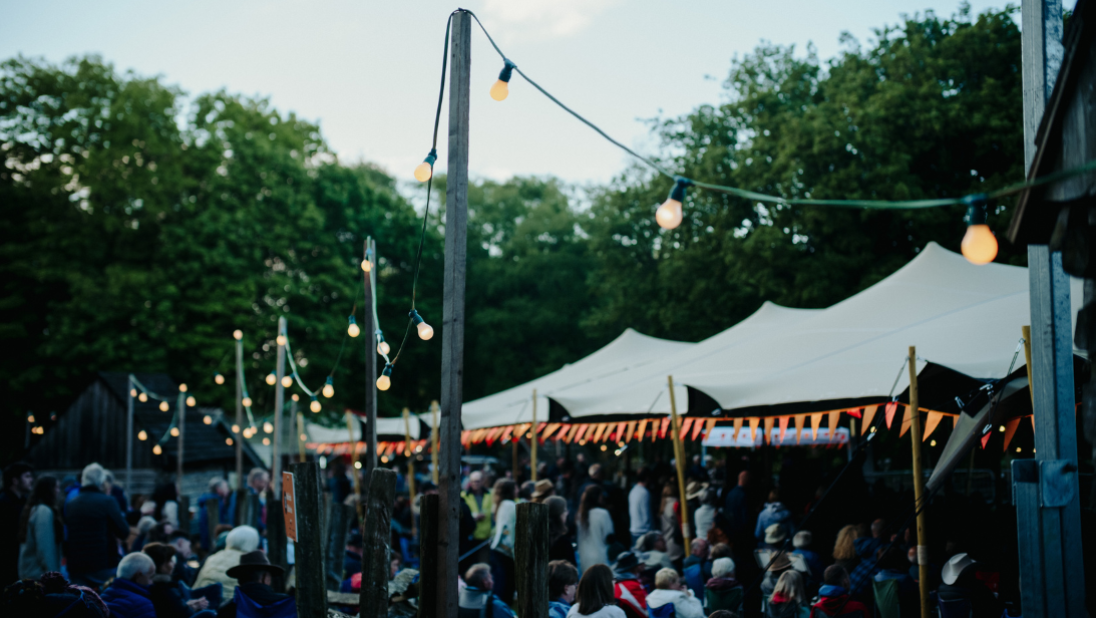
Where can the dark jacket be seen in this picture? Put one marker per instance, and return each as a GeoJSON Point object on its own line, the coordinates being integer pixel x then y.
{"type": "Point", "coordinates": [11, 510]}
{"type": "Point", "coordinates": [128, 599]}
{"type": "Point", "coordinates": [169, 598]}
{"type": "Point", "coordinates": [352, 563]}
{"type": "Point", "coordinates": [226, 514]}
{"type": "Point", "coordinates": [95, 525]}
{"type": "Point", "coordinates": [737, 511]}
{"type": "Point", "coordinates": [982, 602]}
{"type": "Point", "coordinates": [259, 593]}
{"type": "Point", "coordinates": [832, 598]}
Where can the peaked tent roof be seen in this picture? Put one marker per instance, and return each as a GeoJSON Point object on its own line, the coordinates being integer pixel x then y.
{"type": "Point", "coordinates": [960, 316]}
{"type": "Point", "coordinates": [628, 352]}
{"type": "Point", "coordinates": [646, 390]}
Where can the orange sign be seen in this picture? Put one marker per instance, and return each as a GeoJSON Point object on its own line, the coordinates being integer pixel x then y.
{"type": "Point", "coordinates": [289, 506]}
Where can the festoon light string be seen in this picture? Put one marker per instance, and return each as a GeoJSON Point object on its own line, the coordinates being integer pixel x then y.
{"type": "Point", "coordinates": [979, 245]}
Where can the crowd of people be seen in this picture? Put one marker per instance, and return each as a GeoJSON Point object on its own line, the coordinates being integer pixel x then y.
{"type": "Point", "coordinates": [621, 545]}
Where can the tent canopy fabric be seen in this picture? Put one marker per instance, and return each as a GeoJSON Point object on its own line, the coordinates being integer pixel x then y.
{"type": "Point", "coordinates": [392, 427]}
{"type": "Point", "coordinates": [628, 353]}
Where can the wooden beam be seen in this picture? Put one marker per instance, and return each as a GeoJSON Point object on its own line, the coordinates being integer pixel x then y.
{"type": "Point", "coordinates": [308, 548]}
{"type": "Point", "coordinates": [238, 437]}
{"type": "Point", "coordinates": [452, 353]}
{"type": "Point", "coordinates": [275, 535]}
{"type": "Point", "coordinates": [531, 560]}
{"type": "Point", "coordinates": [376, 553]}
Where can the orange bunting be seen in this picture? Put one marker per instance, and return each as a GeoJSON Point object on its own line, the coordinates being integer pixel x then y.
{"type": "Point", "coordinates": [547, 432]}
{"type": "Point", "coordinates": [698, 426]}
{"type": "Point", "coordinates": [835, 416]}
{"type": "Point", "coordinates": [507, 433]}
{"type": "Point", "coordinates": [737, 428]}
{"type": "Point", "coordinates": [798, 427]}
{"type": "Point", "coordinates": [907, 420]}
{"type": "Point", "coordinates": [582, 429]}
{"type": "Point", "coordinates": [816, 420]}
{"type": "Point", "coordinates": [641, 429]}
{"type": "Point", "coordinates": [685, 425]}
{"type": "Point", "coordinates": [769, 421]}
{"type": "Point", "coordinates": [631, 431]}
{"type": "Point", "coordinates": [783, 427]}
{"type": "Point", "coordinates": [662, 428]}
{"type": "Point", "coordinates": [869, 416]}
{"type": "Point", "coordinates": [931, 422]}
{"type": "Point", "coordinates": [600, 429]}
{"type": "Point", "coordinates": [708, 427]}
{"type": "Point", "coordinates": [619, 437]}
{"type": "Point", "coordinates": [892, 407]}
{"type": "Point", "coordinates": [491, 435]}
{"type": "Point", "coordinates": [754, 422]}
{"type": "Point", "coordinates": [1010, 430]}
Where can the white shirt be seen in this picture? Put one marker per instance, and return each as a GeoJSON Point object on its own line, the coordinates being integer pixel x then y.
{"type": "Point", "coordinates": [639, 510]}
{"type": "Point", "coordinates": [505, 522]}
{"type": "Point", "coordinates": [609, 611]}
{"type": "Point", "coordinates": [685, 604]}
{"type": "Point", "coordinates": [591, 538]}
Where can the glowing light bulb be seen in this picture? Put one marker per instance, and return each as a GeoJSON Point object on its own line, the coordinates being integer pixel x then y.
{"type": "Point", "coordinates": [367, 266]}
{"type": "Point", "coordinates": [191, 401]}
{"type": "Point", "coordinates": [425, 331]}
{"type": "Point", "coordinates": [357, 465]}
{"type": "Point", "coordinates": [287, 381]}
{"type": "Point", "coordinates": [426, 169]}
{"type": "Point", "coordinates": [1001, 429]}
{"type": "Point", "coordinates": [271, 378]}
{"type": "Point", "coordinates": [383, 348]}
{"type": "Point", "coordinates": [218, 378]}
{"type": "Point", "coordinates": [353, 329]}
{"type": "Point", "coordinates": [182, 388]}
{"type": "Point", "coordinates": [237, 334]}
{"type": "Point", "coordinates": [142, 397]}
{"type": "Point", "coordinates": [174, 432]}
{"type": "Point", "coordinates": [669, 214]}
{"type": "Point", "coordinates": [385, 381]}
{"type": "Point", "coordinates": [979, 244]}
{"type": "Point", "coordinates": [501, 89]}
{"type": "Point", "coordinates": [207, 419]}
{"type": "Point", "coordinates": [228, 441]}
{"type": "Point", "coordinates": [156, 450]}
{"type": "Point", "coordinates": [266, 441]}
{"type": "Point", "coordinates": [329, 388]}
{"type": "Point", "coordinates": [384, 459]}
{"type": "Point", "coordinates": [132, 392]}
{"type": "Point", "coordinates": [236, 429]}
{"type": "Point", "coordinates": [268, 428]}
{"type": "Point", "coordinates": [314, 406]}
{"type": "Point", "coordinates": [294, 397]}
{"type": "Point", "coordinates": [281, 340]}
{"type": "Point", "coordinates": [304, 438]}
{"type": "Point", "coordinates": [933, 443]}
{"type": "Point", "coordinates": [142, 436]}
{"type": "Point", "coordinates": [163, 406]}
{"type": "Point", "coordinates": [246, 402]}
{"type": "Point", "coordinates": [30, 418]}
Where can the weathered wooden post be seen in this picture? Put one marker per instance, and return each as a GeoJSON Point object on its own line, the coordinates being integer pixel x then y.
{"type": "Point", "coordinates": [918, 485]}
{"type": "Point", "coordinates": [452, 340]}
{"type": "Point", "coordinates": [130, 394]}
{"type": "Point", "coordinates": [180, 410]}
{"type": "Point", "coordinates": [369, 328]}
{"type": "Point", "coordinates": [279, 403]}
{"type": "Point", "coordinates": [428, 556]}
{"type": "Point", "coordinates": [338, 527]}
{"type": "Point", "coordinates": [308, 548]}
{"type": "Point", "coordinates": [238, 437]}
{"type": "Point", "coordinates": [679, 456]}
{"type": "Point", "coordinates": [275, 535]}
{"type": "Point", "coordinates": [213, 519]}
{"type": "Point", "coordinates": [531, 560]}
{"type": "Point", "coordinates": [376, 536]}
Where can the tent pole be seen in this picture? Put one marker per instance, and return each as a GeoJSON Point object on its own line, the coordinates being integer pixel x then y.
{"type": "Point", "coordinates": [918, 485]}
{"type": "Point", "coordinates": [679, 459]}
{"type": "Point", "coordinates": [533, 442]}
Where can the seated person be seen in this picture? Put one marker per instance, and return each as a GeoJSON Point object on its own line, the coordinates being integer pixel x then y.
{"type": "Point", "coordinates": [170, 597]}
{"type": "Point", "coordinates": [562, 585]}
{"type": "Point", "coordinates": [629, 593]}
{"type": "Point", "coordinates": [834, 593]}
{"type": "Point", "coordinates": [961, 584]}
{"type": "Point", "coordinates": [183, 554]}
{"type": "Point", "coordinates": [129, 595]}
{"type": "Point", "coordinates": [242, 540]}
{"type": "Point", "coordinates": [670, 589]}
{"type": "Point", "coordinates": [477, 599]}
{"type": "Point", "coordinates": [723, 591]}
{"type": "Point", "coordinates": [255, 575]}
{"type": "Point", "coordinates": [892, 566]}
{"type": "Point", "coordinates": [802, 542]}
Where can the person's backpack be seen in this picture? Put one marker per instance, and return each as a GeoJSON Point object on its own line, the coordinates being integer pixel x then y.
{"type": "Point", "coordinates": [662, 611]}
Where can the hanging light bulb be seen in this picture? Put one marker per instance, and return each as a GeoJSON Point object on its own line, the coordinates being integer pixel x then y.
{"type": "Point", "coordinates": [182, 388]}
{"type": "Point", "coordinates": [501, 88]}
{"type": "Point", "coordinates": [236, 429]}
{"type": "Point", "coordinates": [218, 378]}
{"type": "Point", "coordinates": [426, 169]}
{"type": "Point", "coordinates": [979, 244]}
{"type": "Point", "coordinates": [367, 263]}
{"type": "Point", "coordinates": [156, 450]}
{"type": "Point", "coordinates": [271, 378]}
{"type": "Point", "coordinates": [294, 397]}
{"type": "Point", "coordinates": [246, 401]}
{"type": "Point", "coordinates": [315, 405]}
{"type": "Point", "coordinates": [142, 436]}
{"type": "Point", "coordinates": [266, 441]}
{"type": "Point", "coordinates": [268, 428]}
{"type": "Point", "coordinates": [174, 432]}
{"type": "Point", "coordinates": [382, 346]}
{"type": "Point", "coordinates": [281, 340]}
{"type": "Point", "coordinates": [30, 418]}
{"type": "Point", "coordinates": [207, 419]}
{"type": "Point", "coordinates": [385, 381]}
{"type": "Point", "coordinates": [142, 397]}
{"type": "Point", "coordinates": [228, 441]}
{"type": "Point", "coordinates": [353, 329]}
{"type": "Point", "coordinates": [425, 331]}
{"type": "Point", "coordinates": [329, 388]}
{"type": "Point", "coordinates": [132, 392]}
{"type": "Point", "coordinates": [237, 334]}
{"type": "Point", "coordinates": [304, 437]}
{"type": "Point", "coordinates": [163, 406]}
{"type": "Point", "coordinates": [191, 401]}
{"type": "Point", "coordinates": [669, 214]}
{"type": "Point", "coordinates": [287, 381]}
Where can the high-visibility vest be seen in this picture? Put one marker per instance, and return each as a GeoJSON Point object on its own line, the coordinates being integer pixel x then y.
{"type": "Point", "coordinates": [483, 526]}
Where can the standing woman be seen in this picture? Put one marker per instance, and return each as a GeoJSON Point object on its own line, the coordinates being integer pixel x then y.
{"type": "Point", "coordinates": [502, 547]}
{"type": "Point", "coordinates": [595, 593]}
{"type": "Point", "coordinates": [560, 544]}
{"type": "Point", "coordinates": [40, 531]}
{"type": "Point", "coordinates": [594, 525]}
{"type": "Point", "coordinates": [670, 521]}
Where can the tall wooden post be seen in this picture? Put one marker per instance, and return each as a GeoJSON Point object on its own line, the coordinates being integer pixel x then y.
{"type": "Point", "coordinates": [533, 442]}
{"type": "Point", "coordinates": [428, 556]}
{"type": "Point", "coordinates": [918, 486]}
{"type": "Point", "coordinates": [531, 560]}
{"type": "Point", "coordinates": [410, 464]}
{"type": "Point", "coordinates": [129, 434]}
{"type": "Point", "coordinates": [276, 542]}
{"type": "Point", "coordinates": [369, 328]}
{"type": "Point", "coordinates": [679, 457]}
{"type": "Point", "coordinates": [434, 439]}
{"type": "Point", "coordinates": [375, 544]}
{"type": "Point", "coordinates": [452, 353]}
{"type": "Point", "coordinates": [239, 437]}
{"type": "Point", "coordinates": [180, 410]}
{"type": "Point", "coordinates": [354, 472]}
{"type": "Point", "coordinates": [308, 548]}
{"type": "Point", "coordinates": [279, 403]}
{"type": "Point", "coordinates": [300, 434]}
{"type": "Point", "coordinates": [338, 527]}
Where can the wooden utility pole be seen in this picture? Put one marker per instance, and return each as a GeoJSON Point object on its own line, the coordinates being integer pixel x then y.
{"type": "Point", "coordinates": [679, 457]}
{"type": "Point", "coordinates": [918, 486]}
{"type": "Point", "coordinates": [376, 551]}
{"type": "Point", "coordinates": [434, 440]}
{"type": "Point", "coordinates": [531, 560]}
{"type": "Point", "coordinates": [428, 556]}
{"type": "Point", "coordinates": [308, 548]}
{"type": "Point", "coordinates": [180, 410]}
{"type": "Point", "coordinates": [279, 403]}
{"type": "Point", "coordinates": [369, 329]}
{"type": "Point", "coordinates": [533, 442]}
{"type": "Point", "coordinates": [452, 353]}
{"type": "Point", "coordinates": [239, 436]}
{"type": "Point", "coordinates": [129, 434]}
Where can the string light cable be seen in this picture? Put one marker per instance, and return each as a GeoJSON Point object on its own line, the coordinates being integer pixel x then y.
{"type": "Point", "coordinates": [979, 245]}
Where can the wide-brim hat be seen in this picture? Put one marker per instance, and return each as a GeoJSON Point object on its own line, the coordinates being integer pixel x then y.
{"type": "Point", "coordinates": [694, 490]}
{"type": "Point", "coordinates": [775, 534]}
{"type": "Point", "coordinates": [782, 563]}
{"type": "Point", "coordinates": [254, 561]}
{"type": "Point", "coordinates": [625, 561]}
{"type": "Point", "coordinates": [953, 568]}
{"type": "Point", "coordinates": [543, 488]}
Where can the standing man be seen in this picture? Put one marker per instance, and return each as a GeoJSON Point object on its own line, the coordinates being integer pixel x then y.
{"type": "Point", "coordinates": [736, 507]}
{"type": "Point", "coordinates": [479, 502]}
{"type": "Point", "coordinates": [226, 509]}
{"type": "Point", "coordinates": [18, 481]}
{"type": "Point", "coordinates": [258, 482]}
{"type": "Point", "coordinates": [639, 506]}
{"type": "Point", "coordinates": [95, 525]}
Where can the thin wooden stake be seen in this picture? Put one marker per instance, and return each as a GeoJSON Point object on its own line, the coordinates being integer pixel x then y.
{"type": "Point", "coordinates": [533, 445]}
{"type": "Point", "coordinates": [434, 440]}
{"type": "Point", "coordinates": [279, 403]}
{"type": "Point", "coordinates": [410, 464]}
{"type": "Point", "coordinates": [355, 472]}
{"type": "Point", "coordinates": [919, 485]}
{"type": "Point", "coordinates": [369, 329]}
{"type": "Point", "coordinates": [238, 438]}
{"type": "Point", "coordinates": [679, 458]}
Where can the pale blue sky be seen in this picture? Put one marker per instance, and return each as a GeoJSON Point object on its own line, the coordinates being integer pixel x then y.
{"type": "Point", "coordinates": [368, 71]}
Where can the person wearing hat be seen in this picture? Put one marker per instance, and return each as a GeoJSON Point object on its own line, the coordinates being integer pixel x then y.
{"type": "Point", "coordinates": [774, 513]}
{"type": "Point", "coordinates": [630, 594]}
{"type": "Point", "coordinates": [802, 542]}
{"type": "Point", "coordinates": [779, 565]}
{"type": "Point", "coordinates": [255, 575]}
{"type": "Point", "coordinates": [961, 585]}
{"type": "Point", "coordinates": [542, 490]}
{"type": "Point", "coordinates": [652, 549]}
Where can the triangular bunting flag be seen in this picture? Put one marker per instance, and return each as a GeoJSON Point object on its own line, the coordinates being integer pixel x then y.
{"type": "Point", "coordinates": [798, 427]}
{"type": "Point", "coordinates": [754, 422]}
{"type": "Point", "coordinates": [631, 431]}
{"type": "Point", "coordinates": [709, 426]}
{"type": "Point", "coordinates": [1010, 430]}
{"type": "Point", "coordinates": [835, 416]}
{"type": "Point", "coordinates": [600, 429]}
{"type": "Point", "coordinates": [662, 428]}
{"type": "Point", "coordinates": [892, 407]}
{"type": "Point", "coordinates": [931, 422]}
{"type": "Point", "coordinates": [697, 428]}
{"type": "Point", "coordinates": [769, 420]}
{"type": "Point", "coordinates": [985, 439]}
{"type": "Point", "coordinates": [856, 412]}
{"type": "Point", "coordinates": [783, 427]}
{"type": "Point", "coordinates": [737, 428]}
{"type": "Point", "coordinates": [619, 437]}
{"type": "Point", "coordinates": [641, 430]}
{"type": "Point", "coordinates": [685, 425]}
{"type": "Point", "coordinates": [506, 433]}
{"type": "Point", "coordinates": [907, 419]}
{"type": "Point", "coordinates": [816, 420]}
{"type": "Point", "coordinates": [869, 416]}
{"type": "Point", "coordinates": [581, 432]}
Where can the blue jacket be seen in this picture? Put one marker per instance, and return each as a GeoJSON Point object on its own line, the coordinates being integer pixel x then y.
{"type": "Point", "coordinates": [558, 609]}
{"type": "Point", "coordinates": [95, 525]}
{"type": "Point", "coordinates": [774, 513]}
{"type": "Point", "coordinates": [814, 562]}
{"type": "Point", "coordinates": [226, 514]}
{"type": "Point", "coordinates": [128, 599]}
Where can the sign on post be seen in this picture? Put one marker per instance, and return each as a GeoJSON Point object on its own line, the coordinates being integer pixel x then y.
{"type": "Point", "coordinates": [289, 506]}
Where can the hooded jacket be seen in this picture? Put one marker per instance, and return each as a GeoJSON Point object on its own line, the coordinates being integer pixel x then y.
{"type": "Point", "coordinates": [685, 604]}
{"type": "Point", "coordinates": [774, 513]}
{"type": "Point", "coordinates": [128, 599]}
